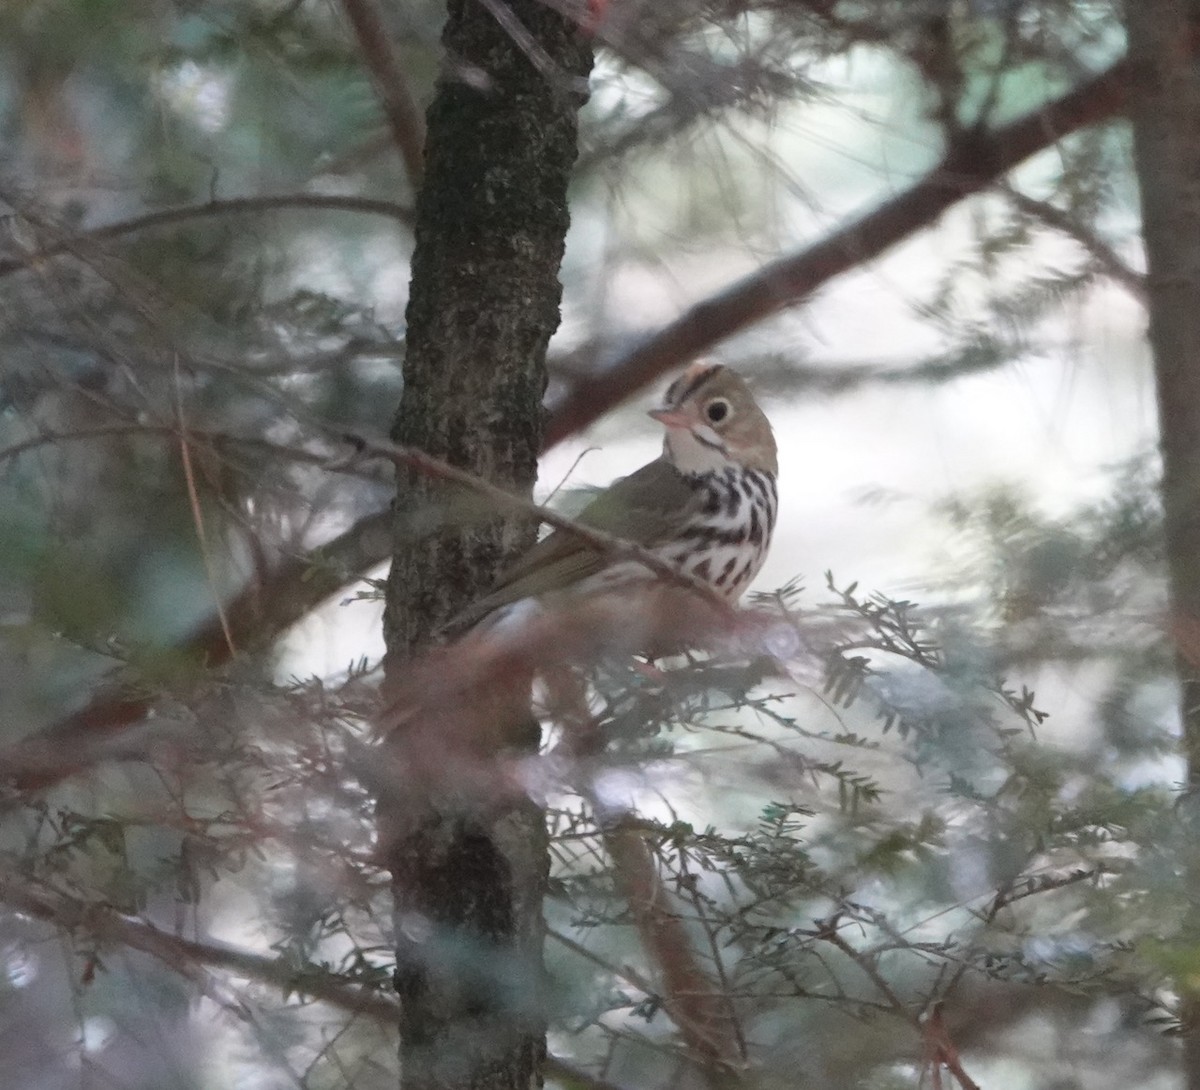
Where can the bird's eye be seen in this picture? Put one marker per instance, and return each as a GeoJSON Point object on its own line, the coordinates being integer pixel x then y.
{"type": "Point", "coordinates": [717, 410]}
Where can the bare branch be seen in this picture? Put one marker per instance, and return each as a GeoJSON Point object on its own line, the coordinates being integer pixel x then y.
{"type": "Point", "coordinates": [975, 160]}
{"type": "Point", "coordinates": [1109, 261]}
{"type": "Point", "coordinates": [237, 206]}
{"type": "Point", "coordinates": [502, 500]}
{"type": "Point", "coordinates": [186, 956]}
{"type": "Point", "coordinates": [404, 118]}
{"type": "Point", "coordinates": [83, 738]}
{"type": "Point", "coordinates": [191, 958]}
{"type": "Point", "coordinates": [625, 972]}
{"type": "Point", "coordinates": [828, 930]}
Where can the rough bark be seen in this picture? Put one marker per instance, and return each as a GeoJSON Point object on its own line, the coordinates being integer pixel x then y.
{"type": "Point", "coordinates": [469, 872]}
{"type": "Point", "coordinates": [1166, 125]}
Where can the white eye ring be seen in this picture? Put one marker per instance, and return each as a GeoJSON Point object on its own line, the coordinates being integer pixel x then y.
{"type": "Point", "coordinates": [717, 410]}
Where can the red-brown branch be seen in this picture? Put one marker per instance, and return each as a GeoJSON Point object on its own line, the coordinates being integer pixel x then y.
{"type": "Point", "coordinates": [403, 116]}
{"type": "Point", "coordinates": [191, 958]}
{"type": "Point", "coordinates": [691, 995]}
{"type": "Point", "coordinates": [256, 615]}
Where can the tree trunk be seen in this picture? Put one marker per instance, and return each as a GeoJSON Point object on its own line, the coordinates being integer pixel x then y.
{"type": "Point", "coordinates": [491, 221]}
{"type": "Point", "coordinates": [1166, 126]}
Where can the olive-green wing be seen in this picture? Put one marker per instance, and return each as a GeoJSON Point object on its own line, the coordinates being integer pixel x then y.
{"type": "Point", "coordinates": [648, 506]}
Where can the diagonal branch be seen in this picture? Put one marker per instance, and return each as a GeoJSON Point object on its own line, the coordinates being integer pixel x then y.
{"type": "Point", "coordinates": [191, 958]}
{"type": "Point", "coordinates": [699, 1005]}
{"type": "Point", "coordinates": [82, 738]}
{"type": "Point", "coordinates": [973, 161]}
{"type": "Point", "coordinates": [186, 956]}
{"type": "Point", "coordinates": [500, 499]}
{"type": "Point", "coordinates": [403, 116]}
{"type": "Point", "coordinates": [257, 615]}
{"type": "Point", "coordinates": [695, 1002]}
{"type": "Point", "coordinates": [1102, 253]}
{"type": "Point", "coordinates": [941, 1050]}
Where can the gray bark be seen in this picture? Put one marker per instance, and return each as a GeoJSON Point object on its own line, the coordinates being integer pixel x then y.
{"type": "Point", "coordinates": [492, 215]}
{"type": "Point", "coordinates": [1165, 108]}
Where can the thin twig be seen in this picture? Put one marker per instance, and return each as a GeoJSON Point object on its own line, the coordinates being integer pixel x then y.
{"type": "Point", "coordinates": [1102, 253]}
{"type": "Point", "coordinates": [69, 914]}
{"type": "Point", "coordinates": [237, 206]}
{"type": "Point", "coordinates": [186, 956]}
{"type": "Point", "coordinates": [829, 932]}
{"type": "Point", "coordinates": [933, 1031]}
{"type": "Point", "coordinates": [534, 52]}
{"type": "Point", "coordinates": [627, 973]}
{"type": "Point", "coordinates": [723, 989]}
{"type": "Point", "coordinates": [425, 464]}
{"type": "Point", "coordinates": [503, 500]}
{"type": "Point", "coordinates": [974, 161]}
{"type": "Point", "coordinates": [189, 477]}
{"type": "Point", "coordinates": [399, 106]}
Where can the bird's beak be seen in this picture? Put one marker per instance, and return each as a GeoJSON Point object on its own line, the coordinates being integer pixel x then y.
{"type": "Point", "coordinates": [671, 418]}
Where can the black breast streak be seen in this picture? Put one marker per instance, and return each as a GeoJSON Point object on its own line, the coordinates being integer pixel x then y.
{"type": "Point", "coordinates": [744, 574]}
{"type": "Point", "coordinates": [755, 535]}
{"type": "Point", "coordinates": [711, 535]}
{"type": "Point", "coordinates": [733, 501]}
{"type": "Point", "coordinates": [766, 485]}
{"type": "Point", "coordinates": [726, 571]}
{"type": "Point", "coordinates": [708, 485]}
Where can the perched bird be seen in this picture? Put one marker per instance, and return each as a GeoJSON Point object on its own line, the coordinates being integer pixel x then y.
{"type": "Point", "coordinates": [706, 506]}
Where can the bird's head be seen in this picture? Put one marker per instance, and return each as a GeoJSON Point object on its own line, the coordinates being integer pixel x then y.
{"type": "Point", "coordinates": [713, 422]}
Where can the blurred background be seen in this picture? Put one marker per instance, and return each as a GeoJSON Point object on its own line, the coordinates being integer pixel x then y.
{"type": "Point", "coordinates": [203, 277]}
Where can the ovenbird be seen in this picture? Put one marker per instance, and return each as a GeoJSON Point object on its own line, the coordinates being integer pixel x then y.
{"type": "Point", "coordinates": [706, 506]}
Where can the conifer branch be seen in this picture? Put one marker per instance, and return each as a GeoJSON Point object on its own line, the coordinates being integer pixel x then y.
{"type": "Point", "coordinates": [695, 1004]}
{"type": "Point", "coordinates": [1107, 258]}
{"type": "Point", "coordinates": [192, 958]}
{"type": "Point", "coordinates": [403, 116]}
{"type": "Point", "coordinates": [187, 956]}
{"type": "Point", "coordinates": [235, 206]}
{"type": "Point", "coordinates": [974, 160]}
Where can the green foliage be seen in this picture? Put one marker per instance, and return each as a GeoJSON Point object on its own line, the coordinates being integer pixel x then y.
{"type": "Point", "coordinates": [878, 823]}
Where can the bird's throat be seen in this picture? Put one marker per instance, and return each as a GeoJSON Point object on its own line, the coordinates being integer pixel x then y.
{"type": "Point", "coordinates": [693, 454]}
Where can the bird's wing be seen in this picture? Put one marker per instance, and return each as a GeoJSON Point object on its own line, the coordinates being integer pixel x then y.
{"type": "Point", "coordinates": [648, 506]}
